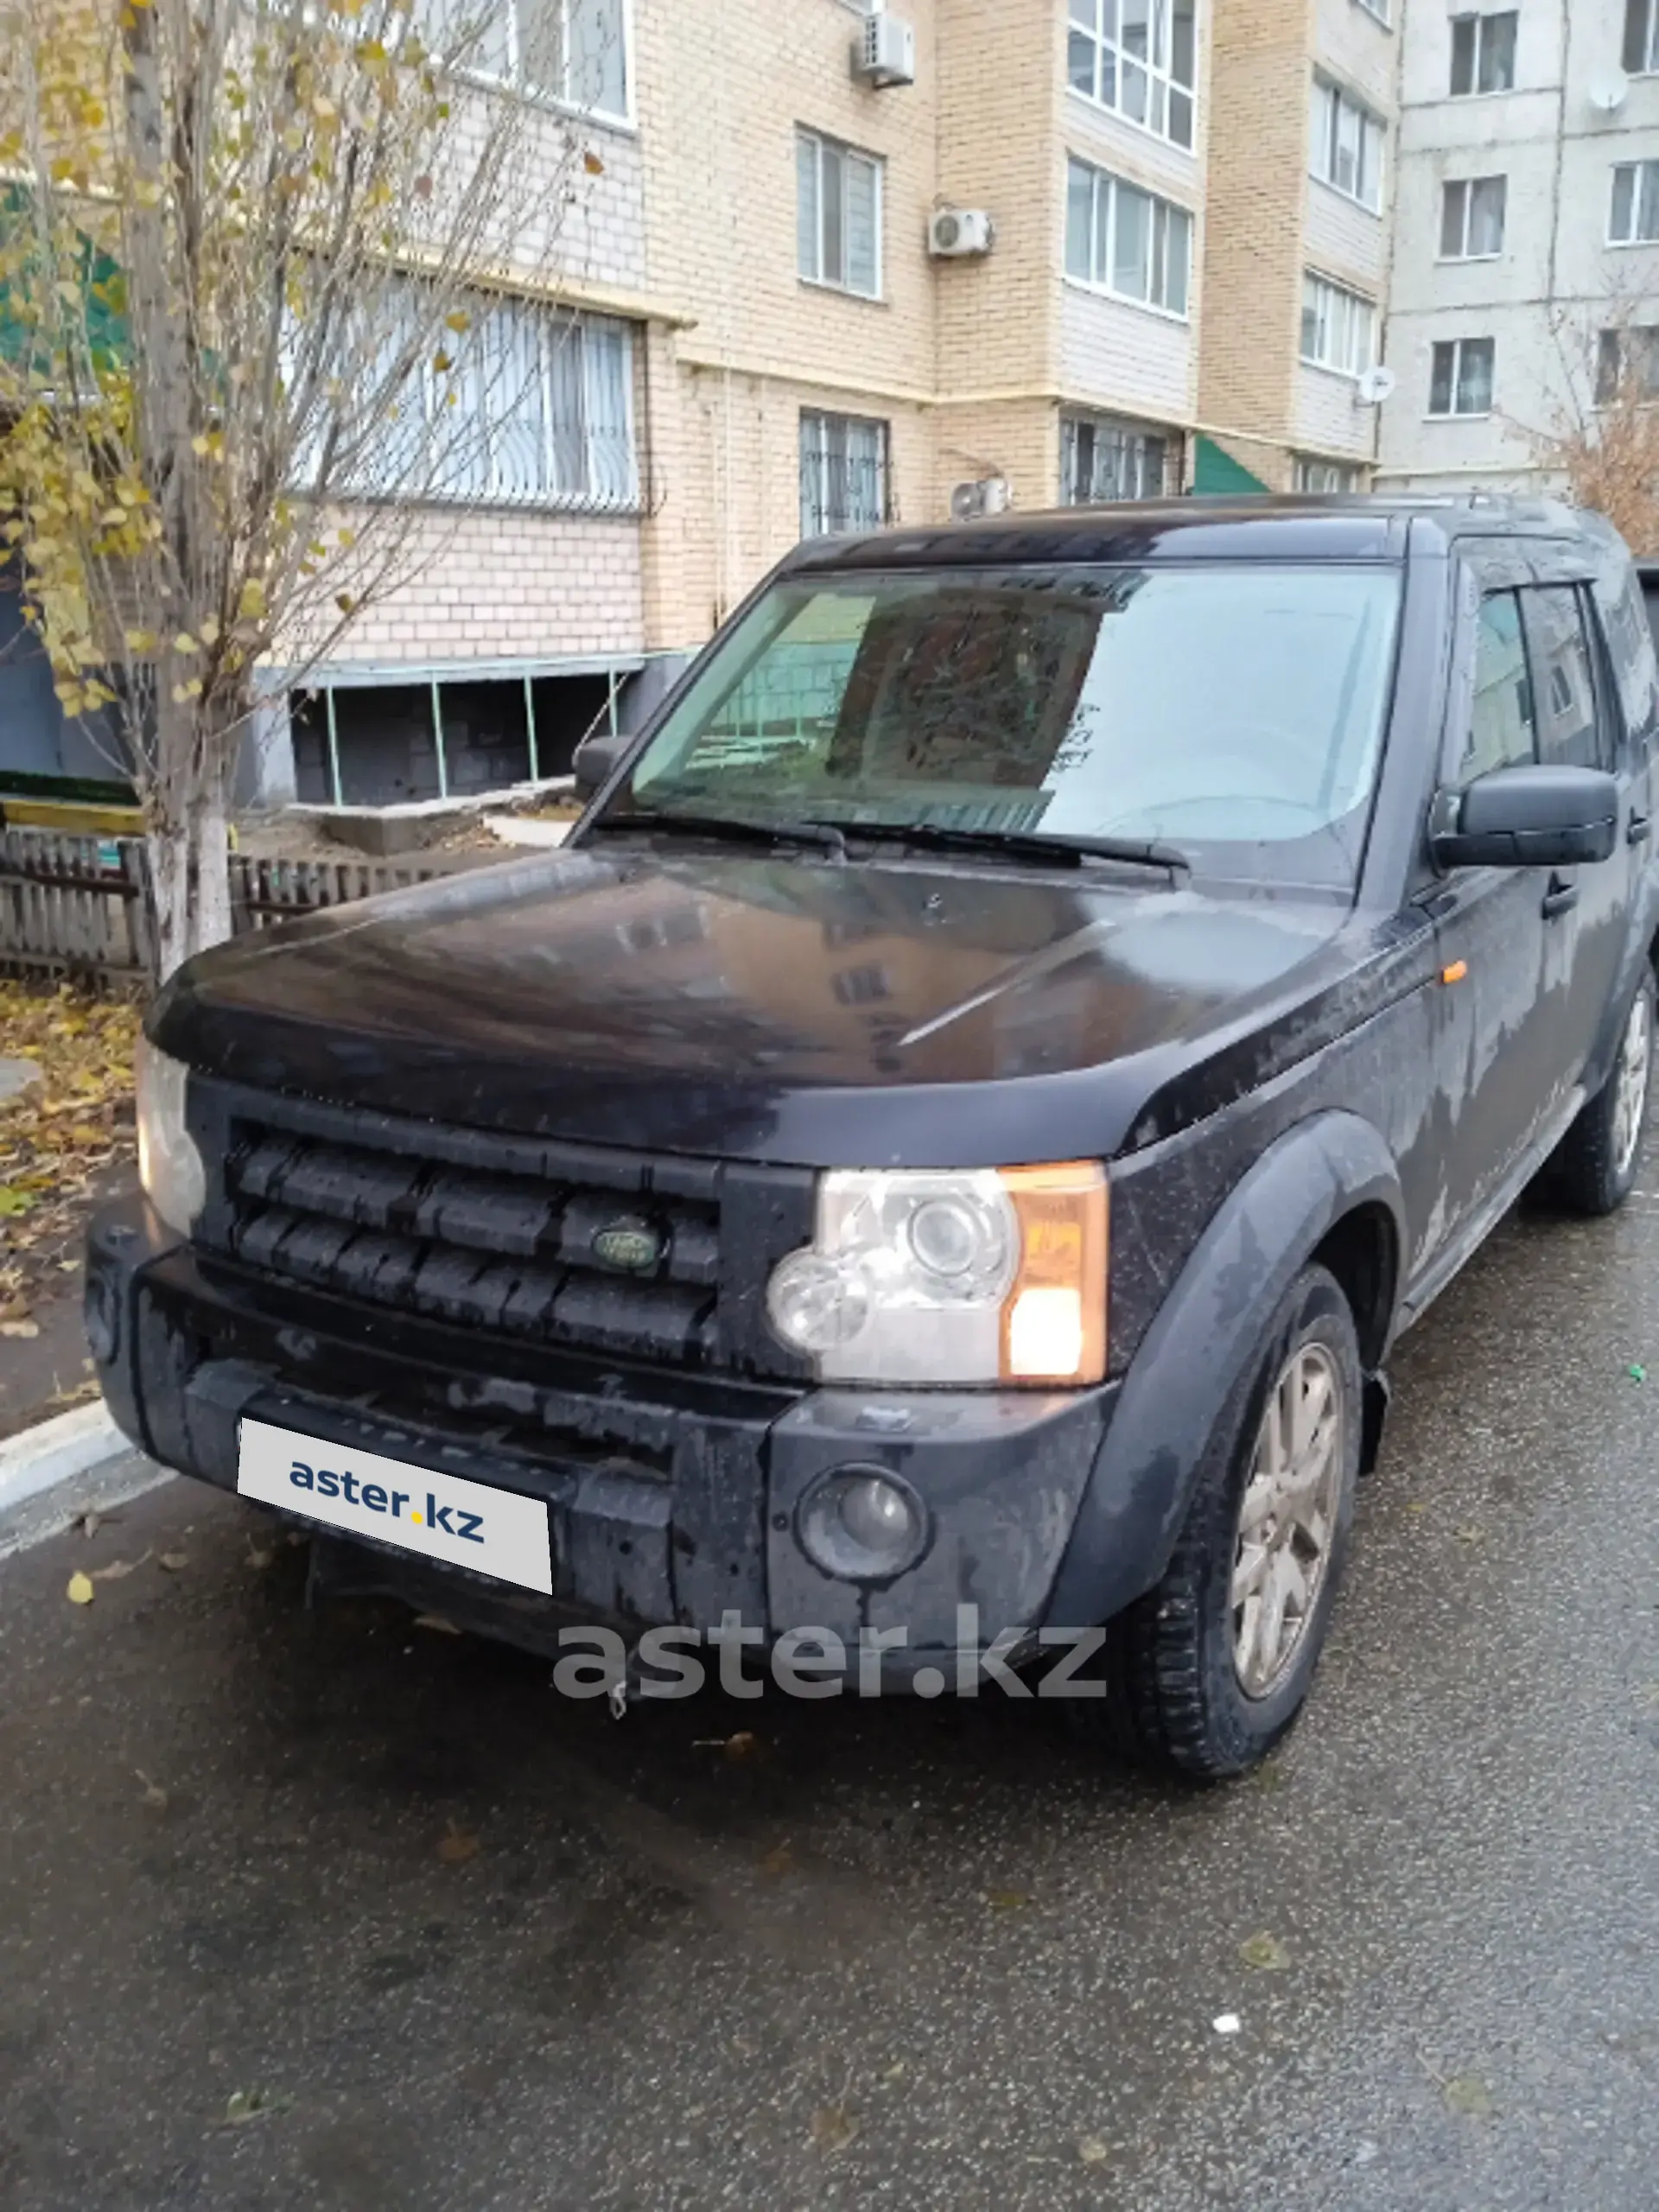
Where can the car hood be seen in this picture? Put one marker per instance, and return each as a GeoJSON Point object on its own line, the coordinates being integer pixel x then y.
{"type": "Point", "coordinates": [764, 1008]}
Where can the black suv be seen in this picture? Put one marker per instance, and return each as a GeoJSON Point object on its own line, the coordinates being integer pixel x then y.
{"type": "Point", "coordinates": [942, 1156]}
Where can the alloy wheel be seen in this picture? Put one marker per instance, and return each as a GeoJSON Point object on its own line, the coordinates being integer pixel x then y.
{"type": "Point", "coordinates": [1287, 1518]}
{"type": "Point", "coordinates": [1631, 1079]}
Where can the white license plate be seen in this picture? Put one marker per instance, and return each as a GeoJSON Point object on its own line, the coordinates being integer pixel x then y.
{"type": "Point", "coordinates": [436, 1516]}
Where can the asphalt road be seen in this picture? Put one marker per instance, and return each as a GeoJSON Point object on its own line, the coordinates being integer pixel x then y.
{"type": "Point", "coordinates": [461, 1944]}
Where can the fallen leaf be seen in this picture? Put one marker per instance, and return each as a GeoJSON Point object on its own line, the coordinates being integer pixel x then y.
{"type": "Point", "coordinates": [437, 1622]}
{"type": "Point", "coordinates": [1468, 2093]}
{"type": "Point", "coordinates": [1093, 2151]}
{"type": "Point", "coordinates": [81, 1591]}
{"type": "Point", "coordinates": [897, 2071]}
{"type": "Point", "coordinates": [88, 1524]}
{"type": "Point", "coordinates": [24, 1329]}
{"type": "Point", "coordinates": [833, 2127]}
{"type": "Point", "coordinates": [1470, 1534]}
{"type": "Point", "coordinates": [118, 1569]}
{"type": "Point", "coordinates": [1007, 1900]}
{"type": "Point", "coordinates": [1265, 1952]}
{"type": "Point", "coordinates": [244, 2104]}
{"type": "Point", "coordinates": [457, 1845]}
{"type": "Point", "coordinates": [154, 1796]}
{"type": "Point", "coordinates": [745, 1744]}
{"type": "Point", "coordinates": [174, 1562]}
{"type": "Point", "coordinates": [260, 1555]}
{"type": "Point", "coordinates": [780, 1859]}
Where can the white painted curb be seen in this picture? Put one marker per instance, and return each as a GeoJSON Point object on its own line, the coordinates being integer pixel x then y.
{"type": "Point", "coordinates": [55, 1451]}
{"type": "Point", "coordinates": [79, 1462]}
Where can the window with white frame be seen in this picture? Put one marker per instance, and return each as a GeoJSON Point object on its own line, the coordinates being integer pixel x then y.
{"type": "Point", "coordinates": [1641, 37]}
{"type": "Point", "coordinates": [1460, 377]}
{"type": "Point", "coordinates": [1328, 476]}
{"type": "Point", "coordinates": [1483, 53]}
{"type": "Point", "coordinates": [574, 51]}
{"type": "Point", "coordinates": [1628, 359]}
{"type": "Point", "coordinates": [843, 474]}
{"type": "Point", "coordinates": [1635, 217]}
{"type": "Point", "coordinates": [837, 215]}
{"type": "Point", "coordinates": [1345, 144]}
{"type": "Point", "coordinates": [528, 406]}
{"type": "Point", "coordinates": [1102, 459]}
{"type": "Point", "coordinates": [1472, 210]}
{"type": "Point", "coordinates": [1339, 327]}
{"type": "Point", "coordinates": [1139, 58]}
{"type": "Point", "coordinates": [1381, 10]}
{"type": "Point", "coordinates": [1126, 241]}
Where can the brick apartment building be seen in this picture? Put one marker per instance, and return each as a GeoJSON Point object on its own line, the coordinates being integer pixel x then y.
{"type": "Point", "coordinates": [1204, 222]}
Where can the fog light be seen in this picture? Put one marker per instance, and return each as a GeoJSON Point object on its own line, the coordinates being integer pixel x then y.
{"type": "Point", "coordinates": [862, 1524]}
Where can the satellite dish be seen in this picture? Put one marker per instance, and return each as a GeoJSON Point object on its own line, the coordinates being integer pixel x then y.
{"type": "Point", "coordinates": [1609, 93]}
{"type": "Point", "coordinates": [1375, 386]}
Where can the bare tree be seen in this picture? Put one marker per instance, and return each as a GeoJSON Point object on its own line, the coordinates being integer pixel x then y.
{"type": "Point", "coordinates": [254, 259]}
{"type": "Point", "coordinates": [1601, 438]}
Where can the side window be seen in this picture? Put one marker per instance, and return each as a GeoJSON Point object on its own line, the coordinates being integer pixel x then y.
{"type": "Point", "coordinates": [1569, 734]}
{"type": "Point", "coordinates": [1502, 731]}
{"type": "Point", "coordinates": [1629, 642]}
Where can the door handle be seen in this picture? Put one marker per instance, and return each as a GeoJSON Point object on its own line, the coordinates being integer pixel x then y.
{"type": "Point", "coordinates": [1560, 898]}
{"type": "Point", "coordinates": [1636, 829]}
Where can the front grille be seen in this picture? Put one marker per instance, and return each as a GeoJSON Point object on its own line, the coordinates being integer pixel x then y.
{"type": "Point", "coordinates": [397, 1216]}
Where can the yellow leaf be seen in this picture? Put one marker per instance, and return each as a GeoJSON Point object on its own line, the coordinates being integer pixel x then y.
{"type": "Point", "coordinates": [251, 604]}
{"type": "Point", "coordinates": [457, 1847]}
{"type": "Point", "coordinates": [441, 361]}
{"type": "Point", "coordinates": [81, 1591]}
{"type": "Point", "coordinates": [140, 641]}
{"type": "Point", "coordinates": [184, 643]}
{"type": "Point", "coordinates": [344, 602]}
{"type": "Point", "coordinates": [458, 319]}
{"type": "Point", "coordinates": [346, 538]}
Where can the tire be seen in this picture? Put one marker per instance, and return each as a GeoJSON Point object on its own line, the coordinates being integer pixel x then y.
{"type": "Point", "coordinates": [1595, 1166]}
{"type": "Point", "coordinates": [1173, 1660]}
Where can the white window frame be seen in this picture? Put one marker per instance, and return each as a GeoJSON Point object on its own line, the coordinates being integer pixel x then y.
{"type": "Point", "coordinates": [1333, 305]}
{"type": "Point", "coordinates": [560, 96]}
{"type": "Point", "coordinates": [823, 417]}
{"type": "Point", "coordinates": [1636, 171]}
{"type": "Point", "coordinates": [1466, 185]}
{"type": "Point", "coordinates": [1329, 102]}
{"type": "Point", "coordinates": [818, 141]}
{"type": "Point", "coordinates": [1454, 413]}
{"type": "Point", "coordinates": [1349, 475]}
{"type": "Point", "coordinates": [1379, 10]}
{"type": "Point", "coordinates": [1135, 442]}
{"type": "Point", "coordinates": [1086, 19]}
{"type": "Point", "coordinates": [1104, 189]}
{"type": "Point", "coordinates": [1641, 53]}
{"type": "Point", "coordinates": [1480, 17]}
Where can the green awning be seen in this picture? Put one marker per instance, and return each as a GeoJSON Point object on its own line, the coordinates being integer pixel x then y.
{"type": "Point", "coordinates": [1214, 469]}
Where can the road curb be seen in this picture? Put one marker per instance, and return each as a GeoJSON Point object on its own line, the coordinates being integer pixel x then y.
{"type": "Point", "coordinates": [60, 1467]}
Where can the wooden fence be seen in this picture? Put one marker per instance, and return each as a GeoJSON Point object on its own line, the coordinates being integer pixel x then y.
{"type": "Point", "coordinates": [81, 905]}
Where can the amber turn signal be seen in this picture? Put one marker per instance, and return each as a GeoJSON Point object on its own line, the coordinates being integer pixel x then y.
{"type": "Point", "coordinates": [1054, 1315]}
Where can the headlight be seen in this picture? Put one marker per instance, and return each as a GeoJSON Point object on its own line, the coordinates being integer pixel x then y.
{"type": "Point", "coordinates": [951, 1275]}
{"type": "Point", "coordinates": [170, 1166]}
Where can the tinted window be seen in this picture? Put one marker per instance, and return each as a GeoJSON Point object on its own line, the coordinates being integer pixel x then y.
{"type": "Point", "coordinates": [1565, 687]}
{"type": "Point", "coordinates": [1630, 644]}
{"type": "Point", "coordinates": [1502, 731]}
{"type": "Point", "coordinates": [1236, 710]}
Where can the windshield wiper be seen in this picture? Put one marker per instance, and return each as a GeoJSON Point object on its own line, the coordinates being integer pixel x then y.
{"type": "Point", "coordinates": [1019, 844]}
{"type": "Point", "coordinates": [826, 836]}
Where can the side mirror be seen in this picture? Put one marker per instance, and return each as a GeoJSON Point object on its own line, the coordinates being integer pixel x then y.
{"type": "Point", "coordinates": [595, 758]}
{"type": "Point", "coordinates": [1527, 817]}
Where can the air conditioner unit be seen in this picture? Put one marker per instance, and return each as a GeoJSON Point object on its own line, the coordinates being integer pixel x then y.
{"type": "Point", "coordinates": [953, 232]}
{"type": "Point", "coordinates": [989, 496]}
{"type": "Point", "coordinates": [883, 53]}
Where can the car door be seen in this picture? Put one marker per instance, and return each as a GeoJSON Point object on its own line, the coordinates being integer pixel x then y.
{"type": "Point", "coordinates": [1506, 935]}
{"type": "Point", "coordinates": [1580, 724]}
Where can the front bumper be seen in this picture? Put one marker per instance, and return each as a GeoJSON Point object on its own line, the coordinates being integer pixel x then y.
{"type": "Point", "coordinates": [672, 1495]}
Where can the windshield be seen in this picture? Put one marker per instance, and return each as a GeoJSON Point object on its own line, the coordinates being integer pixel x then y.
{"type": "Point", "coordinates": [1235, 710]}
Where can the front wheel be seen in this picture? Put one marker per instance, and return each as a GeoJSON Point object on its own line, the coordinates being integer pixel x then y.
{"type": "Point", "coordinates": [1595, 1164]}
{"type": "Point", "coordinates": [1213, 1665]}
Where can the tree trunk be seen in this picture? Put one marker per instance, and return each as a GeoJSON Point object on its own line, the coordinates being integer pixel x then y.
{"type": "Point", "coordinates": [189, 832]}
